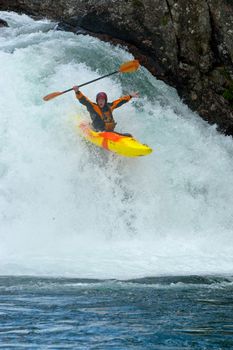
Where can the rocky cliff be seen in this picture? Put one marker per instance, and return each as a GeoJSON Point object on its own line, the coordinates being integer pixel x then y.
{"type": "Point", "coordinates": [3, 23]}
{"type": "Point", "coordinates": [187, 43]}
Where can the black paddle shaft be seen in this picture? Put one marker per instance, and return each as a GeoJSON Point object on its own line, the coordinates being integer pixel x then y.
{"type": "Point", "coordinates": [92, 81]}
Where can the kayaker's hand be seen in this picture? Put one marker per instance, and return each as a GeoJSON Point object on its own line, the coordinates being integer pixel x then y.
{"type": "Point", "coordinates": [76, 88]}
{"type": "Point", "coordinates": [134, 94]}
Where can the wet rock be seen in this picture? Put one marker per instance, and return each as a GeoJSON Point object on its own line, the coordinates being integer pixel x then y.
{"type": "Point", "coordinates": [194, 96]}
{"type": "Point", "coordinates": [3, 23]}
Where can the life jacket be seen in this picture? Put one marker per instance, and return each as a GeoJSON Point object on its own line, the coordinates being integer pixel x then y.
{"type": "Point", "coordinates": [107, 117]}
{"type": "Point", "coordinates": [102, 118]}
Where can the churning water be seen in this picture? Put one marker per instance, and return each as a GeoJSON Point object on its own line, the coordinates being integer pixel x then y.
{"type": "Point", "coordinates": [68, 209]}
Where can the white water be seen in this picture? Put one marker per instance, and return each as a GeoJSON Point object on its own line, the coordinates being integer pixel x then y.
{"type": "Point", "coordinates": [69, 209]}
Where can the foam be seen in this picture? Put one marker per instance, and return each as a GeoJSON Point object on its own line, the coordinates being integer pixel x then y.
{"type": "Point", "coordinates": [69, 209]}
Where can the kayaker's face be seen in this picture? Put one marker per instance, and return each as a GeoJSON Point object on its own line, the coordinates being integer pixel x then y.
{"type": "Point", "coordinates": [101, 102]}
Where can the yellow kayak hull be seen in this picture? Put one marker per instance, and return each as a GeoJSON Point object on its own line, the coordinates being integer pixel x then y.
{"type": "Point", "coordinates": [123, 145]}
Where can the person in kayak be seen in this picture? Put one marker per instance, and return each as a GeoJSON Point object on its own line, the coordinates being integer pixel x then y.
{"type": "Point", "coordinates": [101, 111]}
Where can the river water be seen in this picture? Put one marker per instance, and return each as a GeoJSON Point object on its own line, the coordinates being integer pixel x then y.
{"type": "Point", "coordinates": [105, 231]}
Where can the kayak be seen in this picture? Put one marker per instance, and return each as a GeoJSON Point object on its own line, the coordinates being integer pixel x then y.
{"type": "Point", "coordinates": [123, 144]}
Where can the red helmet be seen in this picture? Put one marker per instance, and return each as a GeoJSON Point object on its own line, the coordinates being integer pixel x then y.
{"type": "Point", "coordinates": [101, 95]}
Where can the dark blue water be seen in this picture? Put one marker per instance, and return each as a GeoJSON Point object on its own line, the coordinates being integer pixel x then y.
{"type": "Point", "coordinates": [150, 313]}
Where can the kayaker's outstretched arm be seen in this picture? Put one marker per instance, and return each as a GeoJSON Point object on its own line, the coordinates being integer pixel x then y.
{"type": "Point", "coordinates": [121, 101]}
{"type": "Point", "coordinates": [82, 98]}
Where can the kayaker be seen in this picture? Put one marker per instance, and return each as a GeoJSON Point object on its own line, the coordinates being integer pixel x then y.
{"type": "Point", "coordinates": [101, 111]}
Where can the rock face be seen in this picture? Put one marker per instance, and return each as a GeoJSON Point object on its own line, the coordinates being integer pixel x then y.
{"type": "Point", "coordinates": [187, 43]}
{"type": "Point", "coordinates": [3, 23]}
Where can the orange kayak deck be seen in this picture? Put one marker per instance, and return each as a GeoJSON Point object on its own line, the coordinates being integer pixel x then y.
{"type": "Point", "coordinates": [123, 145]}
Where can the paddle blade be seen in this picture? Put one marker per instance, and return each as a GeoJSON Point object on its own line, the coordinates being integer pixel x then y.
{"type": "Point", "coordinates": [52, 95]}
{"type": "Point", "coordinates": [129, 67]}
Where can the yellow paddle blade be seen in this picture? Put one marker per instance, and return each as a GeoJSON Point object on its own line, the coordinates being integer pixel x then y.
{"type": "Point", "coordinates": [52, 95]}
{"type": "Point", "coordinates": [129, 67]}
